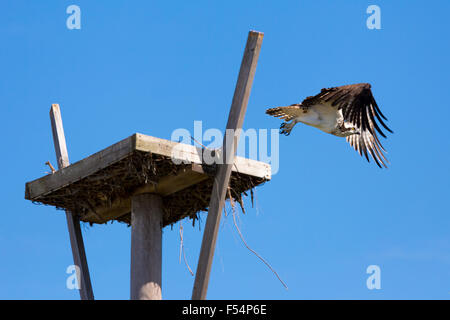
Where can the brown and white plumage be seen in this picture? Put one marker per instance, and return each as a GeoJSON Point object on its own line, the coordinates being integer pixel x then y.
{"type": "Point", "coordinates": [348, 111]}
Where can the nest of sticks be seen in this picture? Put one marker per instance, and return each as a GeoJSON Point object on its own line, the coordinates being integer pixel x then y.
{"type": "Point", "coordinates": [120, 180]}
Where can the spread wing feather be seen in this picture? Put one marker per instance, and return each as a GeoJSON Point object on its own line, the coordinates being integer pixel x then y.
{"type": "Point", "coordinates": [360, 109]}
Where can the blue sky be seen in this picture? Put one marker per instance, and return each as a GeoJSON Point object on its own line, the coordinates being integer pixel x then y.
{"type": "Point", "coordinates": [152, 67]}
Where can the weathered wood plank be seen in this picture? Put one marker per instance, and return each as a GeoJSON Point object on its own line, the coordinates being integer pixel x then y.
{"type": "Point", "coordinates": [235, 121]}
{"type": "Point", "coordinates": [102, 159]}
{"type": "Point", "coordinates": [59, 140]}
{"type": "Point", "coordinates": [79, 170]}
{"type": "Point", "coordinates": [191, 154]}
{"type": "Point", "coordinates": [73, 223]}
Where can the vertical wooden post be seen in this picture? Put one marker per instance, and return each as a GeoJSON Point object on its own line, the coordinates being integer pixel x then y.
{"type": "Point", "coordinates": [73, 223]}
{"type": "Point", "coordinates": [146, 247]}
{"type": "Point", "coordinates": [231, 139]}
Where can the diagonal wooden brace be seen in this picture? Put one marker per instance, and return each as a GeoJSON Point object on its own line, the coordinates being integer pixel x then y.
{"type": "Point", "coordinates": [73, 223]}
{"type": "Point", "coordinates": [231, 139]}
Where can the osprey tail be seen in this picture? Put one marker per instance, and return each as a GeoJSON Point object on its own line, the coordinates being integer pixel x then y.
{"type": "Point", "coordinates": [286, 113]}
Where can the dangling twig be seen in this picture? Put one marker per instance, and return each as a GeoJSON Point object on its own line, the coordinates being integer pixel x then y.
{"type": "Point", "coordinates": [183, 251]}
{"type": "Point", "coordinates": [257, 206]}
{"type": "Point", "coordinates": [246, 245]}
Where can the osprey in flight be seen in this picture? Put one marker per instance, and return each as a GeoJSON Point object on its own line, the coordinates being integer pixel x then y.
{"type": "Point", "coordinates": [346, 111]}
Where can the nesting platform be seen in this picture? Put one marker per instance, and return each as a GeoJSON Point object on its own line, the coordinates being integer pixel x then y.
{"type": "Point", "coordinates": [99, 188]}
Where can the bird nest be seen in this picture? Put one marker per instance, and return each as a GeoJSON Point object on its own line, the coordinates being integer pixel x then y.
{"type": "Point", "coordinates": [120, 180]}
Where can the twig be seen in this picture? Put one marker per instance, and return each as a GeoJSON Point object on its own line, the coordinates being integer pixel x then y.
{"type": "Point", "coordinates": [253, 251]}
{"type": "Point", "coordinates": [51, 167]}
{"type": "Point", "coordinates": [184, 251]}
{"type": "Point", "coordinates": [255, 199]}
{"type": "Point", "coordinates": [193, 139]}
{"type": "Point", "coordinates": [181, 241]}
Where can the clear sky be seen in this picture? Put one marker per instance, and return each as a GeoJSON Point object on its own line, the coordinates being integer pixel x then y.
{"type": "Point", "coordinates": [152, 67]}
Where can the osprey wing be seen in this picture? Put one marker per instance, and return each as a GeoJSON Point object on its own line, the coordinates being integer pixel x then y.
{"type": "Point", "coordinates": [359, 109]}
{"type": "Point", "coordinates": [366, 143]}
{"type": "Point", "coordinates": [357, 104]}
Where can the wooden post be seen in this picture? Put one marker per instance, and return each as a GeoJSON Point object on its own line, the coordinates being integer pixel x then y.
{"type": "Point", "coordinates": [73, 223]}
{"type": "Point", "coordinates": [146, 247]}
{"type": "Point", "coordinates": [231, 139]}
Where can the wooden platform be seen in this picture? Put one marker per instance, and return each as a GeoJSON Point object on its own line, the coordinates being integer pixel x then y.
{"type": "Point", "coordinates": [99, 187]}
